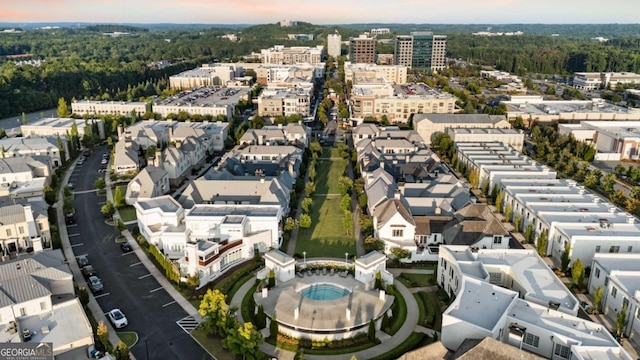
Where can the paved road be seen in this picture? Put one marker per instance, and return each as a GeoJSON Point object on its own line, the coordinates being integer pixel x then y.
{"type": "Point", "coordinates": [151, 312]}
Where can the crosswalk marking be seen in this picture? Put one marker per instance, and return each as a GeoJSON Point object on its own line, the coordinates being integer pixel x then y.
{"type": "Point", "coordinates": [188, 324]}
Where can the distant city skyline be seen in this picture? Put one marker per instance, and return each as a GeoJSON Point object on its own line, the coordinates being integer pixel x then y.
{"type": "Point", "coordinates": [322, 12]}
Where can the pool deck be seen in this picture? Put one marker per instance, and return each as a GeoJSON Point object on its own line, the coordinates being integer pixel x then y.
{"type": "Point", "coordinates": [341, 314]}
{"type": "Point", "coordinates": [389, 342]}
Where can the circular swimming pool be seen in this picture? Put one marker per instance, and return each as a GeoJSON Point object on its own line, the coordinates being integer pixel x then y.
{"type": "Point", "coordinates": [324, 292]}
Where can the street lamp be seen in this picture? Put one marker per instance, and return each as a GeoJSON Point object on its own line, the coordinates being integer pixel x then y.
{"type": "Point", "coordinates": [304, 254]}
{"type": "Point", "coordinates": [346, 256]}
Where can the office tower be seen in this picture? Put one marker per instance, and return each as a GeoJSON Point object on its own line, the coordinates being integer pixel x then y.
{"type": "Point", "coordinates": [421, 50]}
{"type": "Point", "coordinates": [334, 42]}
{"type": "Point", "coordinates": [362, 50]}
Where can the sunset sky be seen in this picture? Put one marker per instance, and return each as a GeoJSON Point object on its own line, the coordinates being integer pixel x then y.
{"type": "Point", "coordinates": [321, 11]}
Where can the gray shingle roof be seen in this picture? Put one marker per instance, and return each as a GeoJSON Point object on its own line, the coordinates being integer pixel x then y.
{"type": "Point", "coordinates": [459, 118]}
{"type": "Point", "coordinates": [12, 214]}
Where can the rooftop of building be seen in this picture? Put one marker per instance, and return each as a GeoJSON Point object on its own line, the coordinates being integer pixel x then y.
{"type": "Point", "coordinates": [486, 131]}
{"type": "Point", "coordinates": [99, 102]}
{"type": "Point", "coordinates": [619, 129]}
{"type": "Point", "coordinates": [560, 324]}
{"type": "Point", "coordinates": [477, 294]}
{"type": "Point", "coordinates": [233, 212]}
{"type": "Point", "coordinates": [209, 96]}
{"type": "Point", "coordinates": [279, 257]}
{"type": "Point", "coordinates": [596, 231]}
{"type": "Point", "coordinates": [371, 258]}
{"type": "Point", "coordinates": [459, 118]}
{"type": "Point", "coordinates": [538, 106]}
{"type": "Point", "coordinates": [599, 353]}
{"type": "Point", "coordinates": [63, 123]}
{"type": "Point", "coordinates": [536, 183]}
{"type": "Point", "coordinates": [165, 203]}
{"type": "Point", "coordinates": [283, 93]}
{"type": "Point", "coordinates": [531, 273]}
{"type": "Point", "coordinates": [618, 261]}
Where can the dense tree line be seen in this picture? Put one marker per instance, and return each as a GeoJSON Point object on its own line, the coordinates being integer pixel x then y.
{"type": "Point", "coordinates": [546, 54]}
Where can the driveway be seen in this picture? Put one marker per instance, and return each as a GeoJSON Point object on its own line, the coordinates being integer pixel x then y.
{"type": "Point", "coordinates": [151, 312]}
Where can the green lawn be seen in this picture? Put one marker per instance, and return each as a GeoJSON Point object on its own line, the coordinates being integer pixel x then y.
{"type": "Point", "coordinates": [417, 280]}
{"type": "Point", "coordinates": [127, 213]}
{"type": "Point", "coordinates": [325, 237]}
{"type": "Point", "coordinates": [432, 310]}
{"type": "Point", "coordinates": [128, 337]}
{"type": "Point", "coordinates": [213, 344]}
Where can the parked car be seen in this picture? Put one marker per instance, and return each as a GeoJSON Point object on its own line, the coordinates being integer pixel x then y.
{"type": "Point", "coordinates": [104, 161]}
{"type": "Point", "coordinates": [81, 161]}
{"type": "Point", "coordinates": [95, 284]}
{"type": "Point", "coordinates": [117, 318]}
{"type": "Point", "coordinates": [70, 218]}
{"type": "Point", "coordinates": [126, 247]}
{"type": "Point", "coordinates": [82, 260]}
{"type": "Point", "coordinates": [89, 271]}
{"type": "Point", "coordinates": [70, 186]}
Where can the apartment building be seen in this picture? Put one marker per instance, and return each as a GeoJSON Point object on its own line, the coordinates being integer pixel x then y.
{"type": "Point", "coordinates": [269, 73]}
{"type": "Point", "coordinates": [380, 31]}
{"type": "Point", "coordinates": [394, 74]}
{"type": "Point", "coordinates": [209, 100]}
{"type": "Point", "coordinates": [398, 102]}
{"type": "Point", "coordinates": [24, 178]}
{"type": "Point", "coordinates": [523, 304]}
{"type": "Point", "coordinates": [115, 108]}
{"type": "Point", "coordinates": [428, 123]}
{"type": "Point", "coordinates": [362, 49]}
{"type": "Point", "coordinates": [285, 102]}
{"type": "Point", "coordinates": [54, 127]}
{"type": "Point", "coordinates": [421, 50]}
{"type": "Point", "coordinates": [207, 75]}
{"type": "Point", "coordinates": [280, 54]}
{"type": "Point", "coordinates": [334, 45]}
{"type": "Point", "coordinates": [23, 226]}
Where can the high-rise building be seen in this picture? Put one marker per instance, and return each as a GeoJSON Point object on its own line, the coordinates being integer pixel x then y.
{"type": "Point", "coordinates": [362, 49]}
{"type": "Point", "coordinates": [403, 50]}
{"type": "Point", "coordinates": [421, 50]}
{"type": "Point", "coordinates": [334, 42]}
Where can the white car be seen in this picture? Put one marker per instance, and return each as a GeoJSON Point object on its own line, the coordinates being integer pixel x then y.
{"type": "Point", "coordinates": [117, 318]}
{"type": "Point", "coordinates": [104, 162]}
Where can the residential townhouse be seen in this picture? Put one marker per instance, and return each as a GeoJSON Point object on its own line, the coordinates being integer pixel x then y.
{"type": "Point", "coordinates": [429, 123]}
{"type": "Point", "coordinates": [18, 147]}
{"type": "Point", "coordinates": [561, 209]}
{"type": "Point", "coordinates": [523, 304]}
{"type": "Point", "coordinates": [266, 160]}
{"type": "Point", "coordinates": [24, 178]}
{"type": "Point", "coordinates": [289, 134]}
{"type": "Point", "coordinates": [285, 101]}
{"type": "Point", "coordinates": [39, 305]}
{"type": "Point", "coordinates": [152, 181]}
{"type": "Point", "coordinates": [619, 277]}
{"type": "Point", "coordinates": [24, 228]}
{"type": "Point", "coordinates": [116, 108]}
{"type": "Point", "coordinates": [495, 161]}
{"type": "Point", "coordinates": [54, 127]}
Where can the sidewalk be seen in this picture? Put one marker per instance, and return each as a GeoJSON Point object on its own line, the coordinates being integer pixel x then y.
{"type": "Point", "coordinates": [93, 306]}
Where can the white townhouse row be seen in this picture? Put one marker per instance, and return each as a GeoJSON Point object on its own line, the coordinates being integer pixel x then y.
{"type": "Point", "coordinates": [115, 108]}
{"type": "Point", "coordinates": [572, 217]}
{"type": "Point", "coordinates": [494, 161]}
{"type": "Point", "coordinates": [512, 296]}
{"type": "Point", "coordinates": [619, 277]}
{"type": "Point", "coordinates": [54, 127]}
{"type": "Point", "coordinates": [208, 239]}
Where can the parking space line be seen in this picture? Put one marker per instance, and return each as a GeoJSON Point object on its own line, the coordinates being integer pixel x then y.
{"type": "Point", "coordinates": [72, 225]}
{"type": "Point", "coordinates": [156, 289]}
{"type": "Point", "coordinates": [101, 295]}
{"type": "Point", "coordinates": [78, 244]}
{"type": "Point", "coordinates": [143, 276]}
{"type": "Point", "coordinates": [82, 255]}
{"type": "Point", "coordinates": [128, 253]}
{"type": "Point", "coordinates": [169, 303]}
{"type": "Point", "coordinates": [136, 264]}
{"type": "Point", "coordinates": [102, 203]}
{"type": "Point", "coordinates": [71, 235]}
